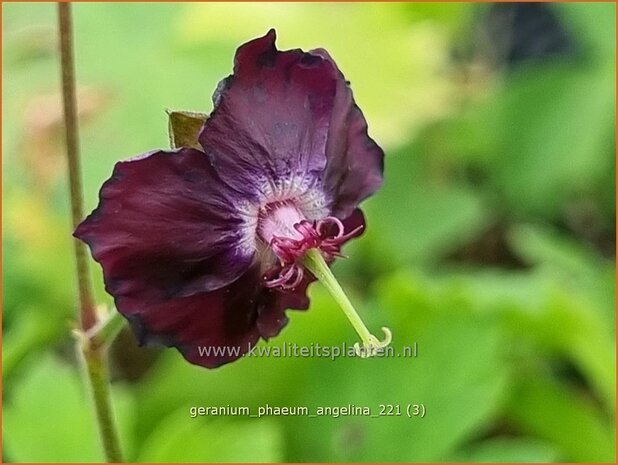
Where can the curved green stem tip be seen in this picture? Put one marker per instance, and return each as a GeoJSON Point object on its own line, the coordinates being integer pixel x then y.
{"type": "Point", "coordinates": [315, 263]}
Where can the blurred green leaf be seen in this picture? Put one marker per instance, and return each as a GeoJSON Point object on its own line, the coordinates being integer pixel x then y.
{"type": "Point", "coordinates": [561, 257]}
{"type": "Point", "coordinates": [541, 246]}
{"type": "Point", "coordinates": [579, 319]}
{"type": "Point", "coordinates": [419, 215]}
{"type": "Point", "coordinates": [28, 336]}
{"type": "Point", "coordinates": [38, 302]}
{"type": "Point", "coordinates": [48, 417]}
{"type": "Point", "coordinates": [461, 396]}
{"type": "Point", "coordinates": [508, 450]}
{"type": "Point", "coordinates": [180, 438]}
{"type": "Point", "coordinates": [551, 411]}
{"type": "Point", "coordinates": [551, 119]}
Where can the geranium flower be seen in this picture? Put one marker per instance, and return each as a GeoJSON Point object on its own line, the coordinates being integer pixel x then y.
{"type": "Point", "coordinates": [208, 248]}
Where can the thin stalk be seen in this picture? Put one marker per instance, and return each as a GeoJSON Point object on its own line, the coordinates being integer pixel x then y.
{"type": "Point", "coordinates": [88, 315]}
{"type": "Point", "coordinates": [95, 361]}
{"type": "Point", "coordinates": [93, 355]}
{"type": "Point", "coordinates": [315, 263]}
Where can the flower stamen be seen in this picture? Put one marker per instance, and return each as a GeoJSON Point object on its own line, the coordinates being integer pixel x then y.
{"type": "Point", "coordinates": [326, 234]}
{"type": "Point", "coordinates": [289, 277]}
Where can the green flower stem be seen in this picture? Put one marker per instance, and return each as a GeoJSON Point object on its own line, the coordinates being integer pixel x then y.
{"type": "Point", "coordinates": [93, 350]}
{"type": "Point", "coordinates": [97, 370]}
{"type": "Point", "coordinates": [315, 263]}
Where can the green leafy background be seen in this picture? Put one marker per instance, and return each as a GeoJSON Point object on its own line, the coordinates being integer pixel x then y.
{"type": "Point", "coordinates": [491, 244]}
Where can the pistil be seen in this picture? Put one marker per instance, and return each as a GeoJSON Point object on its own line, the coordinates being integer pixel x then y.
{"type": "Point", "coordinates": [314, 262]}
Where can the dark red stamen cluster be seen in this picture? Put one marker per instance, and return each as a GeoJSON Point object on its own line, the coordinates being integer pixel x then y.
{"type": "Point", "coordinates": [326, 235]}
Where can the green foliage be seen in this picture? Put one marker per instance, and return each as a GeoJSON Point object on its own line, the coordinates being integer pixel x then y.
{"type": "Point", "coordinates": [460, 397]}
{"type": "Point", "coordinates": [48, 418]}
{"type": "Point", "coordinates": [219, 440]}
{"type": "Point", "coordinates": [417, 217]}
{"type": "Point", "coordinates": [570, 422]}
{"type": "Point", "coordinates": [490, 245]}
{"type": "Point", "coordinates": [520, 450]}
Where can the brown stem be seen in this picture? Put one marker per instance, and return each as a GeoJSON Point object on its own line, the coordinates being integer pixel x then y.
{"type": "Point", "coordinates": [93, 353]}
{"type": "Point", "coordinates": [88, 317]}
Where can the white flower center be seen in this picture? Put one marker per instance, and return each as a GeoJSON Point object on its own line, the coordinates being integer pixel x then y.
{"type": "Point", "coordinates": [277, 219]}
{"type": "Point", "coordinates": [282, 204]}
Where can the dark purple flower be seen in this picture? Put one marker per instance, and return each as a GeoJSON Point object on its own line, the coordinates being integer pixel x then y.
{"type": "Point", "coordinates": [204, 247]}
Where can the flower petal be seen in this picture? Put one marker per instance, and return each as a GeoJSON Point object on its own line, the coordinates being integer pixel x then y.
{"type": "Point", "coordinates": [165, 227]}
{"type": "Point", "coordinates": [213, 328]}
{"type": "Point", "coordinates": [271, 117]}
{"type": "Point", "coordinates": [285, 115]}
{"type": "Point", "coordinates": [355, 162]}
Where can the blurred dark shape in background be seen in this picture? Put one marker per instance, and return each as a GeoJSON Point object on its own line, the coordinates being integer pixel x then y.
{"type": "Point", "coordinates": [520, 32]}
